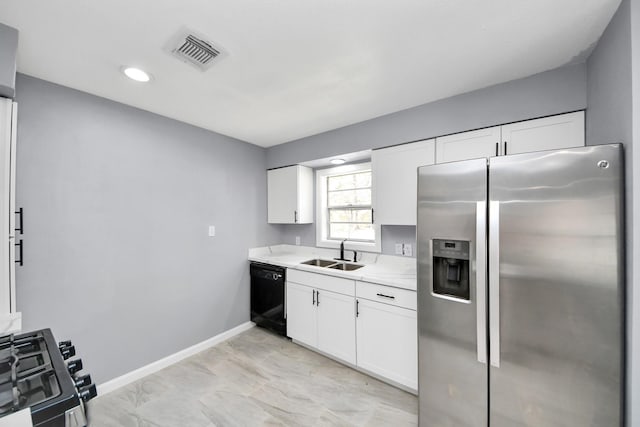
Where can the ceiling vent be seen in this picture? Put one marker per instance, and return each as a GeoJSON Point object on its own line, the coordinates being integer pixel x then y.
{"type": "Point", "coordinates": [192, 48]}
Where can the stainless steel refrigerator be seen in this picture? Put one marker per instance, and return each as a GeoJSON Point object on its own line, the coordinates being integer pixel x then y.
{"type": "Point", "coordinates": [521, 290]}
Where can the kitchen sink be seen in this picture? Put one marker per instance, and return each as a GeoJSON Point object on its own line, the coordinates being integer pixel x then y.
{"type": "Point", "coordinates": [319, 262]}
{"type": "Point", "coordinates": [346, 266]}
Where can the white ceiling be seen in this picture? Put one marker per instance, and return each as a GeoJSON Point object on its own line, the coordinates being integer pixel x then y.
{"type": "Point", "coordinates": [299, 67]}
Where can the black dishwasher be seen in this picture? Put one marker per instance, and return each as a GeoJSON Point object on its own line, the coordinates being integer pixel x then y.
{"type": "Point", "coordinates": [267, 297]}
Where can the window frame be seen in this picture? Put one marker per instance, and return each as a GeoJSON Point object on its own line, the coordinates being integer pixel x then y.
{"type": "Point", "coordinates": [322, 210]}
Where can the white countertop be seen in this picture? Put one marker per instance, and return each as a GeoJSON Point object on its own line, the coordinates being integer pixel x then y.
{"type": "Point", "coordinates": [399, 272]}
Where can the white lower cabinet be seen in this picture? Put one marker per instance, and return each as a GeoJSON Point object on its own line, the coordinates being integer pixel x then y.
{"type": "Point", "coordinates": [322, 319]}
{"type": "Point", "coordinates": [371, 326]}
{"type": "Point", "coordinates": [336, 325]}
{"type": "Point", "coordinates": [388, 341]}
{"type": "Point", "coordinates": [301, 313]}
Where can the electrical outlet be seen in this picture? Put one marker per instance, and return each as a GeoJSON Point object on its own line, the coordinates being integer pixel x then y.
{"type": "Point", "coordinates": [297, 240]}
{"type": "Point", "coordinates": [212, 230]}
{"type": "Point", "coordinates": [398, 248]}
{"type": "Point", "coordinates": [407, 249]}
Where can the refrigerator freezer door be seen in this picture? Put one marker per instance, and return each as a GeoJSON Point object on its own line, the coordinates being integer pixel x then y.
{"type": "Point", "coordinates": [452, 369]}
{"type": "Point", "coordinates": [560, 266]}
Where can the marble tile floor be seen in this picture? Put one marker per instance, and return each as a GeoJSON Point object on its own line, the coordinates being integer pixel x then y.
{"type": "Point", "coordinates": [255, 379]}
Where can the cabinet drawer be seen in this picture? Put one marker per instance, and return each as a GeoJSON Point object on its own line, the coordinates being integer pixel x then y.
{"type": "Point", "coordinates": [387, 294]}
{"type": "Point", "coordinates": [321, 281]}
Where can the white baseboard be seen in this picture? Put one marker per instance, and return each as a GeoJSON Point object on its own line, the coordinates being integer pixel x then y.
{"type": "Point", "coordinates": [153, 367]}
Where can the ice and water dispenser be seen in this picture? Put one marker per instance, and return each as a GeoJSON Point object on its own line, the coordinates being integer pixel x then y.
{"type": "Point", "coordinates": [451, 268]}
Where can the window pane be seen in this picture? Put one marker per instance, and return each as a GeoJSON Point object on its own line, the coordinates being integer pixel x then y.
{"type": "Point", "coordinates": [339, 231]}
{"type": "Point", "coordinates": [362, 215]}
{"type": "Point", "coordinates": [340, 215]}
{"type": "Point", "coordinates": [341, 182]}
{"type": "Point", "coordinates": [342, 198]}
{"type": "Point", "coordinates": [349, 197]}
{"type": "Point", "coordinates": [363, 179]}
{"type": "Point", "coordinates": [349, 181]}
{"type": "Point", "coordinates": [363, 197]}
{"type": "Point", "coordinates": [350, 215]}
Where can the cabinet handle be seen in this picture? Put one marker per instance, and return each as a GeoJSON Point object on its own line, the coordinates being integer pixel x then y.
{"type": "Point", "coordinates": [314, 297]}
{"type": "Point", "coordinates": [295, 216]}
{"type": "Point", "coordinates": [357, 308]}
{"type": "Point", "coordinates": [21, 229]}
{"type": "Point", "coordinates": [497, 149]}
{"type": "Point", "coordinates": [317, 298]}
{"type": "Point", "coordinates": [371, 216]}
{"type": "Point", "coordinates": [505, 148]}
{"type": "Point", "coordinates": [386, 296]}
{"type": "Point", "coordinates": [20, 261]}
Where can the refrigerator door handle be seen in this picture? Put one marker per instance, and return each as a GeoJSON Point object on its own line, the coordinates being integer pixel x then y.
{"type": "Point", "coordinates": [481, 280]}
{"type": "Point", "coordinates": [494, 283]}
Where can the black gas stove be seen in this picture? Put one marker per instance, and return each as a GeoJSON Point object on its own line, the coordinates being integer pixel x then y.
{"type": "Point", "coordinates": [34, 374]}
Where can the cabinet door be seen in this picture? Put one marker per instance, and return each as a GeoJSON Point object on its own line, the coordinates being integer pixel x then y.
{"type": "Point", "coordinates": [469, 145]}
{"type": "Point", "coordinates": [282, 195]}
{"type": "Point", "coordinates": [337, 325]}
{"type": "Point", "coordinates": [305, 194]}
{"type": "Point", "coordinates": [395, 180]}
{"type": "Point", "coordinates": [6, 209]}
{"type": "Point", "coordinates": [387, 340]}
{"type": "Point", "coordinates": [549, 133]}
{"type": "Point", "coordinates": [301, 314]}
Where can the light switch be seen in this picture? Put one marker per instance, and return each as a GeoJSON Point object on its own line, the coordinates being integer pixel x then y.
{"type": "Point", "coordinates": [407, 249]}
{"type": "Point", "coordinates": [298, 240]}
{"type": "Point", "coordinates": [398, 248]}
{"type": "Point", "coordinates": [212, 230]}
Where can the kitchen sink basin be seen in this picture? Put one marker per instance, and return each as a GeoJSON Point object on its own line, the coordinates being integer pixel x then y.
{"type": "Point", "coordinates": [319, 262]}
{"type": "Point", "coordinates": [346, 266]}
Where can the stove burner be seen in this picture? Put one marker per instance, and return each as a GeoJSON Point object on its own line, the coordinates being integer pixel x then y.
{"type": "Point", "coordinates": [27, 376]}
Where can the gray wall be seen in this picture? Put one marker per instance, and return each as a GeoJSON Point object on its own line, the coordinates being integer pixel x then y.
{"type": "Point", "coordinates": [552, 92]}
{"type": "Point", "coordinates": [117, 204]}
{"type": "Point", "coordinates": [8, 52]}
{"type": "Point", "coordinates": [610, 119]}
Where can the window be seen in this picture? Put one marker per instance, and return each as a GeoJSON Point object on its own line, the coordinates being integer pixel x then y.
{"type": "Point", "coordinates": [344, 208]}
{"type": "Point", "coordinates": [349, 205]}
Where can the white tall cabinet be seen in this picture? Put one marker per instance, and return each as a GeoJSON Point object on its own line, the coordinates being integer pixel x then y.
{"type": "Point", "coordinates": [290, 195]}
{"type": "Point", "coordinates": [10, 319]}
{"type": "Point", "coordinates": [395, 181]}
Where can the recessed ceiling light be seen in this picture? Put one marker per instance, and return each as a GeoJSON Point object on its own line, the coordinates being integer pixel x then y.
{"type": "Point", "coordinates": [136, 74]}
{"type": "Point", "coordinates": [337, 161]}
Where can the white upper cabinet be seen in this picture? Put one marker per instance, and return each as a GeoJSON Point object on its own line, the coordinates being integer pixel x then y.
{"type": "Point", "coordinates": [395, 180]}
{"type": "Point", "coordinates": [469, 145]}
{"type": "Point", "coordinates": [549, 133]}
{"type": "Point", "coordinates": [290, 195]}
